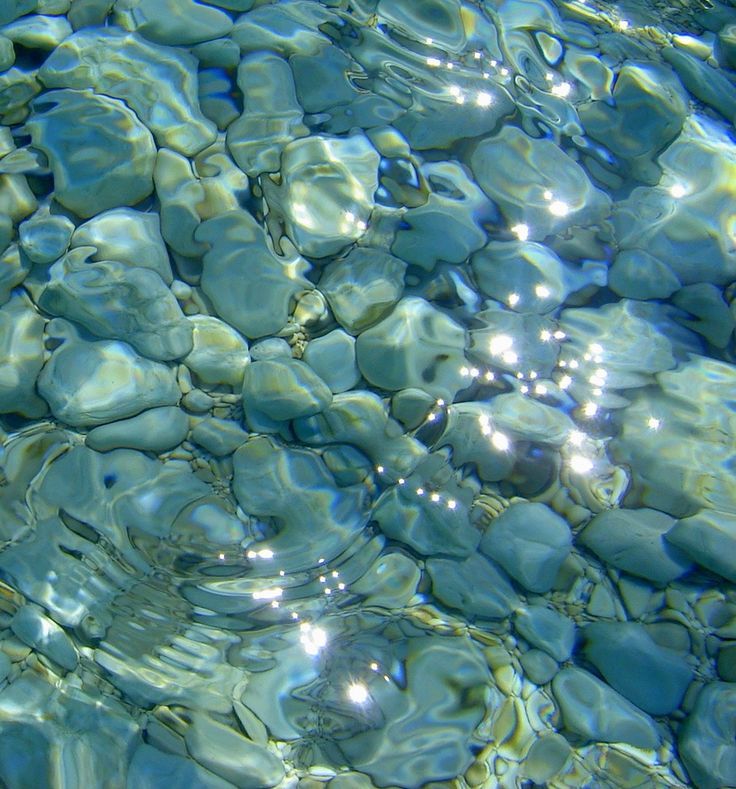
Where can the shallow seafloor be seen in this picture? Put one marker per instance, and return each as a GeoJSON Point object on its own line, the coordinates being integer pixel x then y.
{"type": "Point", "coordinates": [367, 394]}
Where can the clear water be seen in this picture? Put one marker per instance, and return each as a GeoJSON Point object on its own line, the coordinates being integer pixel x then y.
{"type": "Point", "coordinates": [367, 393]}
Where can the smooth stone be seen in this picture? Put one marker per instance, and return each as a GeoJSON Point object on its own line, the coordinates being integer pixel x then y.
{"type": "Point", "coordinates": [270, 348]}
{"type": "Point", "coordinates": [360, 418]}
{"type": "Point", "coordinates": [447, 227]}
{"type": "Point", "coordinates": [7, 53]}
{"type": "Point", "coordinates": [390, 582]}
{"type": "Point", "coordinates": [547, 629]}
{"type": "Point", "coordinates": [332, 357]}
{"type": "Point", "coordinates": [538, 666]}
{"type": "Point", "coordinates": [284, 389]}
{"type": "Point", "coordinates": [651, 676]}
{"type": "Point", "coordinates": [158, 83]}
{"type": "Point", "coordinates": [711, 315]}
{"type": "Point", "coordinates": [34, 628]}
{"type": "Point", "coordinates": [126, 236]}
{"type": "Point", "coordinates": [531, 542]}
{"type": "Point", "coordinates": [38, 31]}
{"type": "Point", "coordinates": [220, 437]}
{"type": "Point", "coordinates": [415, 346]}
{"type": "Point", "coordinates": [219, 354]}
{"type": "Point", "coordinates": [172, 22]}
{"type": "Point", "coordinates": [93, 383]}
{"type": "Point", "coordinates": [474, 586]}
{"type": "Point", "coordinates": [411, 407]}
{"type": "Point", "coordinates": [707, 737]}
{"type": "Point", "coordinates": [251, 287]}
{"type": "Point", "coordinates": [100, 153]}
{"type": "Point", "coordinates": [546, 757]}
{"type": "Point", "coordinates": [635, 274]}
{"type": "Point", "coordinates": [5, 666]}
{"type": "Point", "coordinates": [21, 357]}
{"type": "Point", "coordinates": [634, 541]}
{"type": "Point", "coordinates": [726, 662]}
{"type": "Point", "coordinates": [440, 20]}
{"type": "Point", "coordinates": [709, 538]}
{"type": "Point", "coordinates": [362, 287]}
{"type": "Point", "coordinates": [44, 238]}
{"type": "Point", "coordinates": [271, 118]}
{"type": "Point", "coordinates": [525, 176]}
{"type": "Point", "coordinates": [596, 712]}
{"type": "Point", "coordinates": [155, 430]}
{"type": "Point", "coordinates": [348, 465]}
{"type": "Point", "coordinates": [151, 768]}
{"type": "Point", "coordinates": [118, 302]}
{"type": "Point", "coordinates": [325, 196]}
{"type": "Point", "coordinates": [316, 505]}
{"type": "Point", "coordinates": [233, 757]}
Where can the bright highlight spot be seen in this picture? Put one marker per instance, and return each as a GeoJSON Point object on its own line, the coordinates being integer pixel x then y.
{"type": "Point", "coordinates": [562, 89]}
{"type": "Point", "coordinates": [268, 594]}
{"type": "Point", "coordinates": [678, 190]}
{"type": "Point", "coordinates": [312, 638]}
{"type": "Point", "coordinates": [500, 441]}
{"type": "Point", "coordinates": [653, 423]}
{"type": "Point", "coordinates": [513, 299]}
{"type": "Point", "coordinates": [521, 231]}
{"type": "Point", "coordinates": [590, 409]}
{"type": "Point", "coordinates": [500, 343]}
{"type": "Point", "coordinates": [559, 208]}
{"type": "Point", "coordinates": [484, 99]}
{"type": "Point", "coordinates": [580, 464]}
{"type": "Point", "coordinates": [542, 291]}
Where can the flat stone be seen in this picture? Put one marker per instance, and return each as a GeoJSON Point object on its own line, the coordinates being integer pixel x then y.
{"type": "Point", "coordinates": [596, 712]}
{"type": "Point", "coordinates": [634, 541]}
{"type": "Point", "coordinates": [706, 738]}
{"type": "Point", "coordinates": [547, 629]}
{"type": "Point", "coordinates": [100, 153]}
{"type": "Point", "coordinates": [92, 383]}
{"type": "Point", "coordinates": [155, 430]}
{"type": "Point", "coordinates": [220, 437]}
{"type": "Point", "coordinates": [530, 542]}
{"type": "Point", "coordinates": [649, 675]}
{"type": "Point", "coordinates": [710, 539]}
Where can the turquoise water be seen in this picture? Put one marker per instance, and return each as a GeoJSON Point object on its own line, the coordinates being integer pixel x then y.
{"type": "Point", "coordinates": [367, 394]}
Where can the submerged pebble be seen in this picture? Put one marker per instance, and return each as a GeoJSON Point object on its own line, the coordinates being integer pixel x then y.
{"type": "Point", "coordinates": [366, 393]}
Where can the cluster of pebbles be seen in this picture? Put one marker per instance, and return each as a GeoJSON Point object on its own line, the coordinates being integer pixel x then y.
{"type": "Point", "coordinates": [366, 394]}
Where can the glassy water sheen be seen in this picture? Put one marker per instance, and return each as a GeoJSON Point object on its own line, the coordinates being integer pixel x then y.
{"type": "Point", "coordinates": [367, 394]}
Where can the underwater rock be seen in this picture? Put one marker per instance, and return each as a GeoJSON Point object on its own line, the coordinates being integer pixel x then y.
{"type": "Point", "coordinates": [706, 739]}
{"type": "Point", "coordinates": [250, 287]}
{"type": "Point", "coordinates": [219, 437]}
{"type": "Point", "coordinates": [685, 467]}
{"type": "Point", "coordinates": [530, 277]}
{"type": "Point", "coordinates": [535, 183]}
{"type": "Point", "coordinates": [593, 710]}
{"type": "Point", "coordinates": [283, 389]}
{"type": "Point", "coordinates": [635, 274]}
{"type": "Point", "coordinates": [172, 22]}
{"type": "Point", "coordinates": [683, 222]}
{"type": "Point", "coordinates": [116, 301]}
{"type": "Point", "coordinates": [21, 357]}
{"type": "Point", "coordinates": [475, 586]}
{"type": "Point", "coordinates": [646, 112]}
{"type": "Point", "coordinates": [155, 430]}
{"type": "Point", "coordinates": [415, 346]}
{"type": "Point", "coordinates": [361, 419]}
{"type": "Point", "coordinates": [101, 155]}
{"type": "Point", "coordinates": [150, 768]}
{"type": "Point", "coordinates": [32, 627]}
{"type": "Point", "coordinates": [530, 541]}
{"type": "Point", "coordinates": [225, 752]}
{"type": "Point", "coordinates": [362, 287]}
{"type": "Point", "coordinates": [126, 236]}
{"type": "Point", "coordinates": [325, 195]}
{"type": "Point", "coordinates": [315, 504]}
{"type": "Point", "coordinates": [271, 115]}
{"type": "Point", "coordinates": [547, 629]}
{"type": "Point", "coordinates": [635, 541]}
{"type": "Point", "coordinates": [332, 358]}
{"type": "Point", "coordinates": [45, 237]}
{"type": "Point", "coordinates": [158, 83]}
{"type": "Point", "coordinates": [92, 383]}
{"type": "Point", "coordinates": [38, 31]}
{"type": "Point", "coordinates": [649, 675]}
{"type": "Point", "coordinates": [709, 537]}
{"type": "Point", "coordinates": [219, 354]}
{"type": "Point", "coordinates": [447, 227]}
